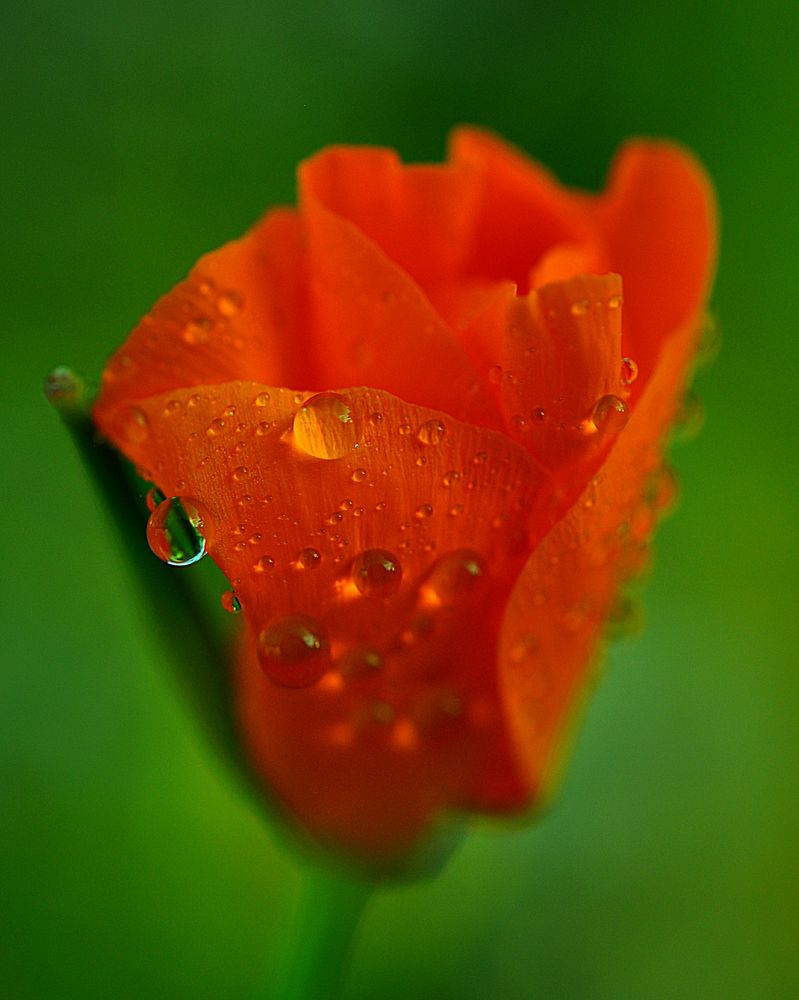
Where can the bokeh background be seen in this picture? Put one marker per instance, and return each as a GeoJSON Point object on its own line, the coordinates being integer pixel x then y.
{"type": "Point", "coordinates": [138, 135]}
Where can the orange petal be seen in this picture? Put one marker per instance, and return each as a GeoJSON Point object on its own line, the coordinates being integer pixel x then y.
{"type": "Point", "coordinates": [523, 211]}
{"type": "Point", "coordinates": [561, 355]}
{"type": "Point", "coordinates": [404, 721]}
{"type": "Point", "coordinates": [658, 221]}
{"type": "Point", "coordinates": [238, 314]}
{"type": "Point", "coordinates": [554, 619]}
{"type": "Point", "coordinates": [371, 324]}
{"type": "Point", "coordinates": [399, 207]}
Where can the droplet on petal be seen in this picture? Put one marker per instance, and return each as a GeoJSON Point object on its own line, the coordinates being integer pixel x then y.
{"type": "Point", "coordinates": [610, 415]}
{"type": "Point", "coordinates": [293, 651]}
{"type": "Point", "coordinates": [230, 602]}
{"type": "Point", "coordinates": [360, 662]}
{"type": "Point", "coordinates": [178, 531]}
{"type": "Point", "coordinates": [153, 498]}
{"type": "Point", "coordinates": [431, 432]}
{"type": "Point", "coordinates": [323, 426]}
{"type": "Point", "coordinates": [453, 576]}
{"type": "Point", "coordinates": [131, 425]}
{"type": "Point", "coordinates": [376, 573]}
{"type": "Point", "coordinates": [309, 558]}
{"type": "Point", "coordinates": [629, 371]}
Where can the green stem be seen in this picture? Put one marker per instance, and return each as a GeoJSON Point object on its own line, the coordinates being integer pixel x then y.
{"type": "Point", "coordinates": [198, 646]}
{"type": "Point", "coordinates": [319, 941]}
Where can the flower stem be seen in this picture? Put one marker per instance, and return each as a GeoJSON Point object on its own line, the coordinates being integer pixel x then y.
{"type": "Point", "coordinates": [319, 940]}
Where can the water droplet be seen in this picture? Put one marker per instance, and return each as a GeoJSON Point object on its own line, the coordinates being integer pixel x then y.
{"type": "Point", "coordinates": [610, 415]}
{"type": "Point", "coordinates": [172, 407]}
{"type": "Point", "coordinates": [629, 371]}
{"type": "Point", "coordinates": [405, 429]}
{"type": "Point", "coordinates": [241, 473]}
{"type": "Point", "coordinates": [580, 307]}
{"type": "Point", "coordinates": [178, 531]}
{"type": "Point", "coordinates": [451, 477]}
{"type": "Point", "coordinates": [229, 303]}
{"type": "Point", "coordinates": [376, 419]}
{"type": "Point", "coordinates": [431, 432]}
{"type": "Point", "coordinates": [215, 427]}
{"type": "Point", "coordinates": [230, 602]}
{"type": "Point", "coordinates": [293, 651]}
{"type": "Point", "coordinates": [131, 425]}
{"type": "Point", "coordinates": [519, 422]}
{"type": "Point", "coordinates": [197, 332]}
{"type": "Point", "coordinates": [377, 573]}
{"type": "Point", "coordinates": [153, 498]}
{"type": "Point", "coordinates": [480, 458]}
{"type": "Point", "coordinates": [263, 428]}
{"type": "Point", "coordinates": [360, 662]}
{"type": "Point", "coordinates": [264, 564]}
{"type": "Point", "coordinates": [456, 510]}
{"type": "Point", "coordinates": [309, 558]}
{"type": "Point", "coordinates": [323, 426]}
{"type": "Point", "coordinates": [359, 475]}
{"type": "Point", "coordinates": [615, 302]}
{"type": "Point", "coordinates": [539, 414]}
{"type": "Point", "coordinates": [423, 511]}
{"type": "Point", "coordinates": [453, 576]}
{"type": "Point", "coordinates": [262, 399]}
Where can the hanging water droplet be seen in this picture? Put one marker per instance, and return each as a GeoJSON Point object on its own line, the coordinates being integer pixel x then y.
{"type": "Point", "coordinates": [629, 371]}
{"type": "Point", "coordinates": [178, 531]}
{"type": "Point", "coordinates": [453, 576]}
{"type": "Point", "coordinates": [323, 426]}
{"type": "Point", "coordinates": [431, 432]}
{"type": "Point", "coordinates": [230, 602]}
{"type": "Point", "coordinates": [153, 498]}
{"type": "Point", "coordinates": [131, 424]}
{"type": "Point", "coordinates": [309, 558]}
{"type": "Point", "coordinates": [610, 415]}
{"type": "Point", "coordinates": [377, 573]}
{"type": "Point", "coordinates": [293, 651]}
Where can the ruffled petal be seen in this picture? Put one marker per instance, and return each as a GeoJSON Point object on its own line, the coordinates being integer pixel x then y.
{"type": "Point", "coordinates": [560, 356]}
{"type": "Point", "coordinates": [399, 207]}
{"type": "Point", "coordinates": [551, 632]}
{"type": "Point", "coordinates": [522, 211]}
{"type": "Point", "coordinates": [404, 719]}
{"type": "Point", "coordinates": [239, 314]}
{"type": "Point", "coordinates": [371, 324]}
{"type": "Point", "coordinates": [658, 222]}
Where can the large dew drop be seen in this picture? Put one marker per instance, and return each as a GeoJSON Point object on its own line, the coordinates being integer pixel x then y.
{"type": "Point", "coordinates": [610, 415]}
{"type": "Point", "coordinates": [293, 651]}
{"type": "Point", "coordinates": [323, 426]}
{"type": "Point", "coordinates": [177, 531]}
{"type": "Point", "coordinates": [377, 573]}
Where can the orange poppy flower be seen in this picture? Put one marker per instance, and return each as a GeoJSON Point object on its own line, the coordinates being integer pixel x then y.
{"type": "Point", "coordinates": [422, 437]}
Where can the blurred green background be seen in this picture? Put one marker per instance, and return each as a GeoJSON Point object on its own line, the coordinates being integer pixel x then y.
{"type": "Point", "coordinates": [138, 135]}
